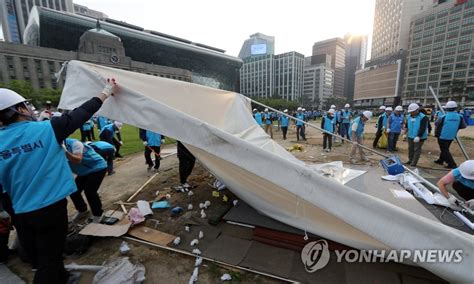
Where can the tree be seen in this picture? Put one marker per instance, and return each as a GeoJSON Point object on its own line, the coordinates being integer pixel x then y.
{"type": "Point", "coordinates": [279, 104]}
{"type": "Point", "coordinates": [36, 97]}
{"type": "Point", "coordinates": [337, 101]}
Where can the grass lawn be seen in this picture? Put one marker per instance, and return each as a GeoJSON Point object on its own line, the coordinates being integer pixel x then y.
{"type": "Point", "coordinates": [131, 140]}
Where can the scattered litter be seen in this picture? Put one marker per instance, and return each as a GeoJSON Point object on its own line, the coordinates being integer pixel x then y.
{"type": "Point", "coordinates": [120, 270]}
{"type": "Point", "coordinates": [168, 196]}
{"type": "Point", "coordinates": [203, 214]}
{"type": "Point", "coordinates": [201, 235]}
{"type": "Point", "coordinates": [196, 251]}
{"type": "Point", "coordinates": [176, 211]}
{"type": "Point", "coordinates": [76, 267]}
{"type": "Point", "coordinates": [190, 193]}
{"type": "Point", "coordinates": [194, 242]}
{"type": "Point", "coordinates": [207, 204]}
{"type": "Point", "coordinates": [225, 198]}
{"type": "Point", "coordinates": [219, 185]}
{"type": "Point", "coordinates": [226, 277]}
{"type": "Point", "coordinates": [190, 207]}
{"type": "Point", "coordinates": [201, 205]}
{"type": "Point", "coordinates": [187, 228]}
{"type": "Point", "coordinates": [160, 205]}
{"type": "Point", "coordinates": [235, 202]}
{"type": "Point", "coordinates": [177, 241]}
{"type": "Point", "coordinates": [135, 216]}
{"type": "Point", "coordinates": [194, 276]}
{"type": "Point", "coordinates": [144, 208]}
{"type": "Point", "coordinates": [311, 157]}
{"type": "Point", "coordinates": [157, 222]}
{"type": "Point", "coordinates": [401, 193]}
{"type": "Point", "coordinates": [215, 193]}
{"type": "Point", "coordinates": [198, 261]}
{"type": "Point", "coordinates": [124, 248]}
{"type": "Point", "coordinates": [295, 148]}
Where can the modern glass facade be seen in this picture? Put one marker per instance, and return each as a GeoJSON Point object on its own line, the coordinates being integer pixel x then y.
{"type": "Point", "coordinates": [54, 29]}
{"type": "Point", "coordinates": [441, 55]}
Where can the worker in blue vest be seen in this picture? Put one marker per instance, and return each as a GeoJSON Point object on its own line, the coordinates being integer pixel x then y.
{"type": "Point", "coordinates": [446, 130]}
{"type": "Point", "coordinates": [90, 169]}
{"type": "Point", "coordinates": [394, 128]}
{"type": "Point", "coordinates": [101, 122]}
{"type": "Point", "coordinates": [86, 130]}
{"type": "Point", "coordinates": [381, 125]}
{"type": "Point", "coordinates": [357, 136]}
{"type": "Point", "coordinates": [328, 123]}
{"type": "Point", "coordinates": [106, 151]}
{"type": "Point", "coordinates": [346, 116]}
{"type": "Point", "coordinates": [417, 132]}
{"type": "Point", "coordinates": [300, 129]}
{"type": "Point", "coordinates": [258, 117]}
{"type": "Point", "coordinates": [268, 120]}
{"type": "Point", "coordinates": [34, 172]}
{"type": "Point", "coordinates": [110, 134]}
{"type": "Point", "coordinates": [285, 121]}
{"type": "Point", "coordinates": [152, 143]}
{"type": "Point", "coordinates": [462, 181]}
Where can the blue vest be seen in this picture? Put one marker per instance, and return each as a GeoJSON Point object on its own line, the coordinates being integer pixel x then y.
{"type": "Point", "coordinates": [414, 126]}
{"type": "Point", "coordinates": [258, 118]}
{"type": "Point", "coordinates": [346, 116]}
{"type": "Point", "coordinates": [91, 161]}
{"type": "Point", "coordinates": [360, 127]}
{"type": "Point", "coordinates": [107, 132]}
{"type": "Point", "coordinates": [153, 139]}
{"type": "Point", "coordinates": [396, 123]}
{"type": "Point", "coordinates": [329, 123]}
{"type": "Point", "coordinates": [33, 166]}
{"type": "Point", "coordinates": [87, 126]}
{"type": "Point", "coordinates": [384, 120]}
{"type": "Point", "coordinates": [467, 182]}
{"type": "Point", "coordinates": [103, 145]}
{"type": "Point", "coordinates": [284, 121]}
{"type": "Point", "coordinates": [450, 125]}
{"type": "Point", "coordinates": [299, 116]}
{"type": "Point", "coordinates": [268, 120]}
{"type": "Point", "coordinates": [101, 122]}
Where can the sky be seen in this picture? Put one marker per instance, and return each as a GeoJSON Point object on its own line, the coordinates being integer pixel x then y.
{"type": "Point", "coordinates": [226, 24]}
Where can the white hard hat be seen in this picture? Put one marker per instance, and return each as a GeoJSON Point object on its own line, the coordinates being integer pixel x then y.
{"type": "Point", "coordinates": [367, 114]}
{"type": "Point", "coordinates": [389, 109]}
{"type": "Point", "coordinates": [382, 107]}
{"type": "Point", "coordinates": [56, 114]}
{"type": "Point", "coordinates": [303, 109]}
{"type": "Point", "coordinates": [266, 109]}
{"type": "Point", "coordinates": [9, 98]}
{"type": "Point", "coordinates": [467, 169]}
{"type": "Point", "coordinates": [299, 108]}
{"type": "Point", "coordinates": [347, 105]}
{"type": "Point", "coordinates": [285, 110]}
{"type": "Point", "coordinates": [399, 108]}
{"type": "Point", "coordinates": [413, 107]}
{"type": "Point", "coordinates": [254, 109]}
{"type": "Point", "coordinates": [451, 104]}
{"type": "Point", "coordinates": [333, 107]}
{"type": "Point", "coordinates": [118, 124]}
{"type": "Point", "coordinates": [331, 111]}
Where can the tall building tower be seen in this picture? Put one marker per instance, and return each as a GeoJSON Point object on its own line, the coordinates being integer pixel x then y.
{"type": "Point", "coordinates": [14, 15]}
{"type": "Point", "coordinates": [317, 80]}
{"type": "Point", "coordinates": [336, 48]}
{"type": "Point", "coordinates": [258, 44]}
{"type": "Point", "coordinates": [392, 24]}
{"type": "Point", "coordinates": [356, 55]}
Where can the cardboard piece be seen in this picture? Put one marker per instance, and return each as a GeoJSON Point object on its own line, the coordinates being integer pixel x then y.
{"type": "Point", "coordinates": [151, 235]}
{"type": "Point", "coordinates": [101, 230]}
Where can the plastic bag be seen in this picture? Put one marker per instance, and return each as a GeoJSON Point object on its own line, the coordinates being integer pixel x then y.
{"type": "Point", "coordinates": [383, 141]}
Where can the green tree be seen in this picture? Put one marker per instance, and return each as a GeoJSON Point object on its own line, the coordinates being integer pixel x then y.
{"type": "Point", "coordinates": [36, 97]}
{"type": "Point", "coordinates": [279, 104]}
{"type": "Point", "coordinates": [337, 101]}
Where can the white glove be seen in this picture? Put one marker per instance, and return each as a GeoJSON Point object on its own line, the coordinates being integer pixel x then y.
{"type": "Point", "coordinates": [145, 143]}
{"type": "Point", "coordinates": [452, 200]}
{"type": "Point", "coordinates": [388, 130]}
{"type": "Point", "coordinates": [110, 88]}
{"type": "Point", "coordinates": [64, 147]}
{"type": "Point", "coordinates": [416, 140]}
{"type": "Point", "coordinates": [121, 143]}
{"type": "Point", "coordinates": [163, 141]}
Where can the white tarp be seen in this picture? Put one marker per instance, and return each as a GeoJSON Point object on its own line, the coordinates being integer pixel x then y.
{"type": "Point", "coordinates": [218, 128]}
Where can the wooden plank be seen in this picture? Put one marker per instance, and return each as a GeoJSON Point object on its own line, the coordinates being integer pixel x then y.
{"type": "Point", "coordinates": [151, 235]}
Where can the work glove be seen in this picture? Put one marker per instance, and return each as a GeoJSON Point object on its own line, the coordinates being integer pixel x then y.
{"type": "Point", "coordinates": [416, 140]}
{"type": "Point", "coordinates": [388, 130]}
{"type": "Point", "coordinates": [110, 88]}
{"type": "Point", "coordinates": [121, 143]}
{"type": "Point", "coordinates": [163, 141]}
{"type": "Point", "coordinates": [145, 143]}
{"type": "Point", "coordinates": [64, 147]}
{"type": "Point", "coordinates": [452, 200]}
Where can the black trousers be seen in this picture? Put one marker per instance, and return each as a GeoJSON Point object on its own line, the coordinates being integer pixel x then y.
{"type": "Point", "coordinates": [86, 135]}
{"type": "Point", "coordinates": [378, 134]}
{"type": "Point", "coordinates": [445, 155]}
{"type": "Point", "coordinates": [300, 132]}
{"type": "Point", "coordinates": [90, 184]}
{"type": "Point", "coordinates": [327, 141]}
{"type": "Point", "coordinates": [117, 146]}
{"type": "Point", "coordinates": [148, 159]}
{"type": "Point", "coordinates": [284, 129]}
{"type": "Point", "coordinates": [42, 233]}
{"type": "Point", "coordinates": [186, 163]}
{"type": "Point", "coordinates": [109, 156]}
{"type": "Point", "coordinates": [463, 191]}
{"type": "Point", "coordinates": [92, 133]}
{"type": "Point", "coordinates": [392, 141]}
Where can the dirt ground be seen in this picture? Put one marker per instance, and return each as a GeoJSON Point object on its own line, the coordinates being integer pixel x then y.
{"type": "Point", "coordinates": [168, 267]}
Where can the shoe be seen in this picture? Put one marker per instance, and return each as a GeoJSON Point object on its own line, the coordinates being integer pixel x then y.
{"type": "Point", "coordinates": [111, 173]}
{"type": "Point", "coordinates": [118, 156]}
{"type": "Point", "coordinates": [407, 163]}
{"type": "Point", "coordinates": [439, 162]}
{"type": "Point", "coordinates": [79, 216]}
{"type": "Point", "coordinates": [148, 169]}
{"type": "Point", "coordinates": [96, 219]}
{"type": "Point", "coordinates": [327, 150]}
{"type": "Point", "coordinates": [179, 188]}
{"type": "Point", "coordinates": [451, 166]}
{"type": "Point", "coordinates": [186, 185]}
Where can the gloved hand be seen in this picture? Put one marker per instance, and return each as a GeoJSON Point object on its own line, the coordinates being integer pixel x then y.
{"type": "Point", "coordinates": [416, 140]}
{"type": "Point", "coordinates": [452, 200]}
{"type": "Point", "coordinates": [110, 88]}
{"type": "Point", "coordinates": [121, 143]}
{"type": "Point", "coordinates": [163, 141]}
{"type": "Point", "coordinates": [64, 147]}
{"type": "Point", "coordinates": [145, 143]}
{"type": "Point", "coordinates": [388, 130]}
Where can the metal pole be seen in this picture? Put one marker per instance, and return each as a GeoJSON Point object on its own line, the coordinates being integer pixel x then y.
{"type": "Point", "coordinates": [442, 110]}
{"type": "Point", "coordinates": [333, 134]}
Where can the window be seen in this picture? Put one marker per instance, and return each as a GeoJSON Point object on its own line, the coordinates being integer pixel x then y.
{"type": "Point", "coordinates": [451, 43]}
{"type": "Point", "coordinates": [435, 62]}
{"type": "Point", "coordinates": [426, 49]}
{"type": "Point", "coordinates": [467, 30]}
{"type": "Point", "coordinates": [438, 45]}
{"type": "Point", "coordinates": [462, 57]}
{"type": "Point", "coordinates": [464, 48]}
{"type": "Point", "coordinates": [440, 30]}
{"type": "Point", "coordinates": [454, 17]}
{"type": "Point", "coordinates": [450, 51]}
{"type": "Point", "coordinates": [461, 65]}
{"type": "Point", "coordinates": [424, 64]}
{"type": "Point", "coordinates": [425, 56]}
{"type": "Point", "coordinates": [446, 68]}
{"type": "Point", "coordinates": [422, 79]}
{"type": "Point", "coordinates": [439, 38]}
{"type": "Point", "coordinates": [452, 35]}
{"type": "Point", "coordinates": [434, 78]}
{"type": "Point", "coordinates": [453, 26]}
{"type": "Point", "coordinates": [422, 72]}
{"type": "Point", "coordinates": [459, 74]}
{"type": "Point", "coordinates": [442, 14]}
{"type": "Point", "coordinates": [448, 60]}
{"type": "Point", "coordinates": [434, 70]}
{"type": "Point", "coordinates": [437, 54]}
{"type": "Point", "coordinates": [428, 33]}
{"type": "Point", "coordinates": [465, 39]}
{"type": "Point", "coordinates": [468, 22]}
{"type": "Point", "coordinates": [421, 86]}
